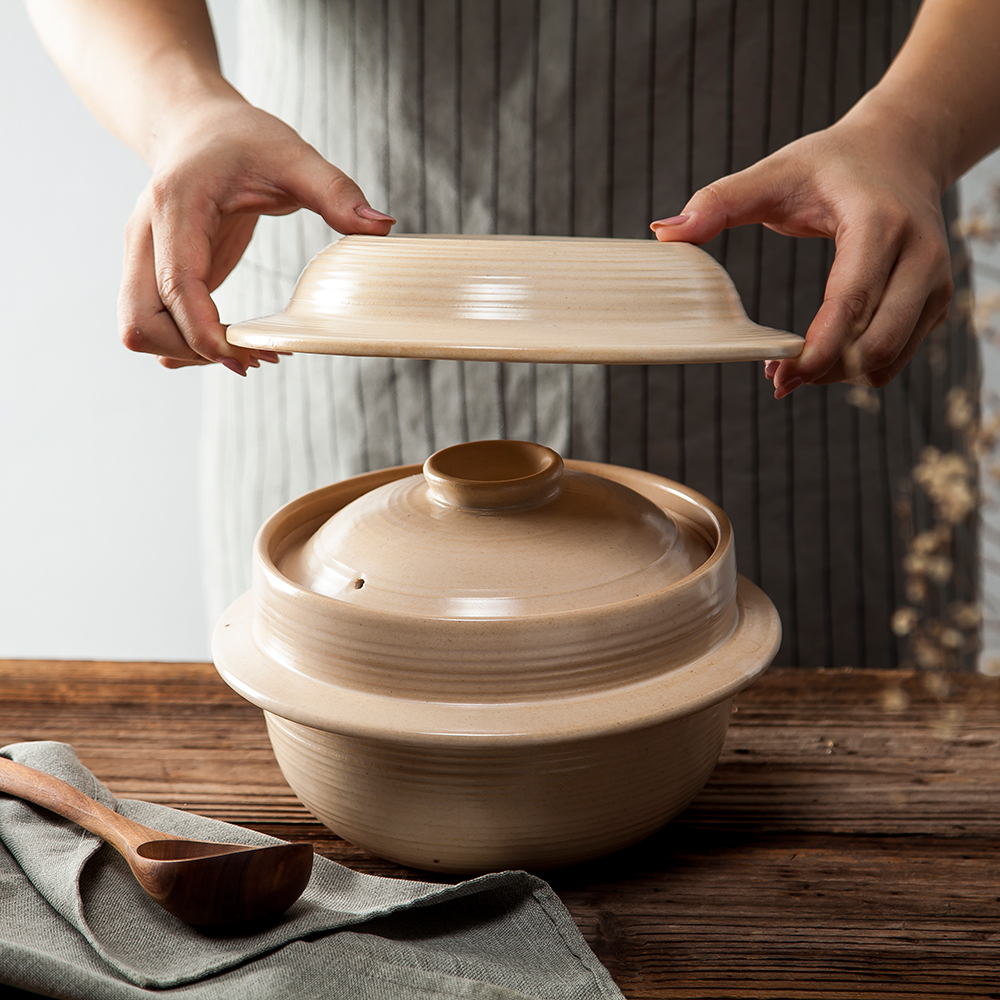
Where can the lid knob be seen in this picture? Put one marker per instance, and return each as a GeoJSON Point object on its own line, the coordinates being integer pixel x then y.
{"type": "Point", "coordinates": [493, 475]}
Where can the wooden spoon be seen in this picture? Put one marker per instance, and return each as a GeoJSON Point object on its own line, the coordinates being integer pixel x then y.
{"type": "Point", "coordinates": [205, 884]}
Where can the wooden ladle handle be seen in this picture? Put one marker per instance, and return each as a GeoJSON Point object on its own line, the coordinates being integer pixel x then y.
{"type": "Point", "coordinates": [43, 789]}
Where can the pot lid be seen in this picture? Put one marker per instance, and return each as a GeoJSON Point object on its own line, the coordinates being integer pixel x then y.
{"type": "Point", "coordinates": [495, 529]}
{"type": "Point", "coordinates": [520, 298]}
{"type": "Point", "coordinates": [375, 613]}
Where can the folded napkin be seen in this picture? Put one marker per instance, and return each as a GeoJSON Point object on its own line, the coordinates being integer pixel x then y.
{"type": "Point", "coordinates": [74, 923]}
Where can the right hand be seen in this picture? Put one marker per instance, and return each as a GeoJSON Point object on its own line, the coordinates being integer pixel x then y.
{"type": "Point", "coordinates": [227, 165]}
{"type": "Point", "coordinates": [868, 183]}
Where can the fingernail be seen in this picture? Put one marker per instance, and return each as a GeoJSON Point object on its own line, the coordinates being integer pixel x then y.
{"type": "Point", "coordinates": [253, 362]}
{"type": "Point", "coordinates": [770, 367]}
{"type": "Point", "coordinates": [674, 220]}
{"type": "Point", "coordinates": [234, 366]}
{"type": "Point", "coordinates": [787, 387]}
{"type": "Point", "coordinates": [367, 212]}
{"type": "Point", "coordinates": [269, 356]}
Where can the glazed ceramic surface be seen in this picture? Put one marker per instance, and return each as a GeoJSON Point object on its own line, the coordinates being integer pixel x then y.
{"type": "Point", "coordinates": [496, 660]}
{"type": "Point", "coordinates": [522, 298]}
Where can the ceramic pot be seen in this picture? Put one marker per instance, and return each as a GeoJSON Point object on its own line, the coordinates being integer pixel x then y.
{"type": "Point", "coordinates": [496, 660]}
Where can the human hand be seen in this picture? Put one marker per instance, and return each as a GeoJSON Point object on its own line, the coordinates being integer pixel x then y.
{"type": "Point", "coordinates": [867, 184]}
{"type": "Point", "coordinates": [226, 165]}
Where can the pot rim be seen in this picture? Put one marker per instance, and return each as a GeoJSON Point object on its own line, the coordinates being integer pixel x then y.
{"type": "Point", "coordinates": [682, 691]}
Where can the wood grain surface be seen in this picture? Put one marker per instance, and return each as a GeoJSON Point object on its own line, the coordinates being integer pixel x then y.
{"type": "Point", "coordinates": [847, 846]}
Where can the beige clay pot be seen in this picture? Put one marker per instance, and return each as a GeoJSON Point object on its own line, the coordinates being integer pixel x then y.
{"type": "Point", "coordinates": [496, 661]}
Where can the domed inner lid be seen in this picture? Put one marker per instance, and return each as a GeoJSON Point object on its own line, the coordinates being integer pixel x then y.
{"type": "Point", "coordinates": [517, 298]}
{"type": "Point", "coordinates": [494, 529]}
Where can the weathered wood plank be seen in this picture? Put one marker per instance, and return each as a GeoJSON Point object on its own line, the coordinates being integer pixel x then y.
{"type": "Point", "coordinates": [110, 682]}
{"type": "Point", "coordinates": [846, 847]}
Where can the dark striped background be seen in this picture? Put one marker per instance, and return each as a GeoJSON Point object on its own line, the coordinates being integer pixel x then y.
{"type": "Point", "coordinates": [587, 117]}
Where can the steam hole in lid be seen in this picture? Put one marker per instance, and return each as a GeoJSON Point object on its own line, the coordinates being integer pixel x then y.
{"type": "Point", "coordinates": [359, 583]}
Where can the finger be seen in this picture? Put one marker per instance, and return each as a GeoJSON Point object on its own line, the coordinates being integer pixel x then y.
{"type": "Point", "coordinates": [269, 356]}
{"type": "Point", "coordinates": [865, 258]}
{"type": "Point", "coordinates": [182, 253]}
{"type": "Point", "coordinates": [144, 323]}
{"type": "Point", "coordinates": [174, 363]}
{"type": "Point", "coordinates": [326, 190]}
{"type": "Point", "coordinates": [758, 194]}
{"type": "Point", "coordinates": [902, 318]}
{"type": "Point", "coordinates": [931, 316]}
{"type": "Point", "coordinates": [862, 364]}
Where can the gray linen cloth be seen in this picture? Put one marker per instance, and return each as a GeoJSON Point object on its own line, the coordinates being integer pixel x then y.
{"type": "Point", "coordinates": [75, 924]}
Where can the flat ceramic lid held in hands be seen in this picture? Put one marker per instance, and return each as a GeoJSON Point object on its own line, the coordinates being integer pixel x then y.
{"type": "Point", "coordinates": [520, 298]}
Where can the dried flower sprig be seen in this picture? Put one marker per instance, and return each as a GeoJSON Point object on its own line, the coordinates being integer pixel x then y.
{"type": "Point", "coordinates": [949, 479]}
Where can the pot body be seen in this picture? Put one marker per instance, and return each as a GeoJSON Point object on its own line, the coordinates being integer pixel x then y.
{"type": "Point", "coordinates": [466, 809]}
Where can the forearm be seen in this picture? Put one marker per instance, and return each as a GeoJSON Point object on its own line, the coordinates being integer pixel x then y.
{"type": "Point", "coordinates": [141, 66]}
{"type": "Point", "coordinates": [942, 92]}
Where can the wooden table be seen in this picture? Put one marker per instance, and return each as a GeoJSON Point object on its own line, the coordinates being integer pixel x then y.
{"type": "Point", "coordinates": [846, 846]}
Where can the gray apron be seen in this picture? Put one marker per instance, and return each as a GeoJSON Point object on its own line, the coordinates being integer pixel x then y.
{"type": "Point", "coordinates": [587, 118]}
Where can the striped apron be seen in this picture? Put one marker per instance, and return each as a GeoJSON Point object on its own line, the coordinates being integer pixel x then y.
{"type": "Point", "coordinates": [587, 118]}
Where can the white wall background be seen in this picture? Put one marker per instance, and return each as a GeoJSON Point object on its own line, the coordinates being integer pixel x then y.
{"type": "Point", "coordinates": [99, 529]}
{"type": "Point", "coordinates": [981, 200]}
{"type": "Point", "coordinates": [98, 446]}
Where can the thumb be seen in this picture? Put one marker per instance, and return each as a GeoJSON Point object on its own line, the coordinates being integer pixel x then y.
{"type": "Point", "coordinates": [752, 195]}
{"type": "Point", "coordinates": [326, 190]}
